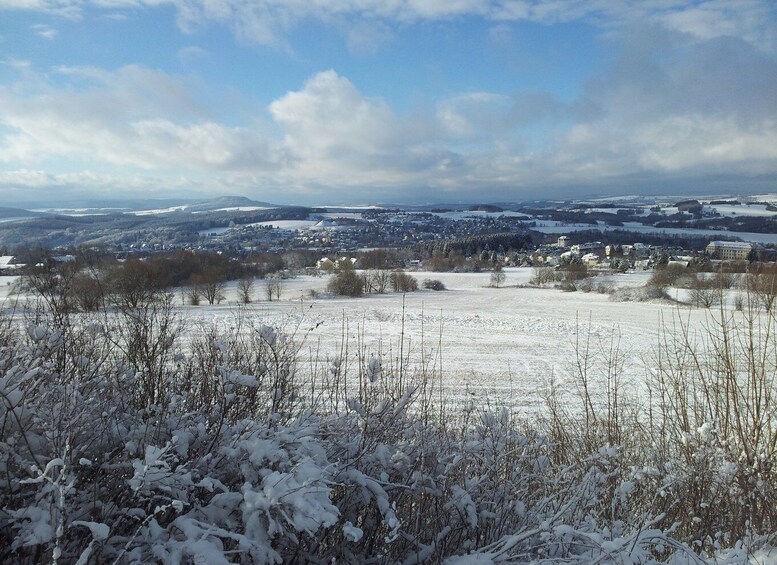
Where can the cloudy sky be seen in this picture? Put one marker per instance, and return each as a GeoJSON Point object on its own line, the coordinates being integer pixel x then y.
{"type": "Point", "coordinates": [364, 101]}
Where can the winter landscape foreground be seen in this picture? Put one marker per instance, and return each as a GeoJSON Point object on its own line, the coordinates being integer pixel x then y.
{"type": "Point", "coordinates": [472, 425]}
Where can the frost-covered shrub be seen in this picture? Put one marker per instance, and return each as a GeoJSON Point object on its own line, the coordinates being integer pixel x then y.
{"type": "Point", "coordinates": [639, 294]}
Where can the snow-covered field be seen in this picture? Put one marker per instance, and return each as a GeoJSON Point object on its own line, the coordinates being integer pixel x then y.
{"type": "Point", "coordinates": [548, 226]}
{"type": "Point", "coordinates": [496, 345]}
{"type": "Point", "coordinates": [742, 210]}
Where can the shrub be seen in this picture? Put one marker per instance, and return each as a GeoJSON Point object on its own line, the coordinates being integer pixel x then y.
{"type": "Point", "coordinates": [402, 282]}
{"type": "Point", "coordinates": [585, 285]}
{"type": "Point", "coordinates": [567, 286]}
{"type": "Point", "coordinates": [574, 272]}
{"type": "Point", "coordinates": [346, 283]}
{"type": "Point", "coordinates": [639, 294]}
{"type": "Point", "coordinates": [605, 287]}
{"type": "Point", "coordinates": [666, 275]}
{"type": "Point", "coordinates": [705, 293]}
{"type": "Point", "coordinates": [433, 284]}
{"type": "Point", "coordinates": [542, 276]}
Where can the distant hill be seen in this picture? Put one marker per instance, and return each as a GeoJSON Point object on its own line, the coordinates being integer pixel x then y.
{"type": "Point", "coordinates": [486, 208]}
{"type": "Point", "coordinates": [226, 202]}
{"type": "Point", "coordinates": [9, 213]}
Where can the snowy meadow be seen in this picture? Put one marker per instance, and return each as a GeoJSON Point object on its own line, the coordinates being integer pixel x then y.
{"type": "Point", "coordinates": [471, 425]}
{"type": "Point", "coordinates": [502, 346]}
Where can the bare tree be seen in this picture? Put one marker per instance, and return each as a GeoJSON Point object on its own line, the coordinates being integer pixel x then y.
{"type": "Point", "coordinates": [272, 289]}
{"type": "Point", "coordinates": [763, 287]}
{"type": "Point", "coordinates": [705, 293]}
{"type": "Point", "coordinates": [377, 281]}
{"type": "Point", "coordinates": [402, 282]}
{"type": "Point", "coordinates": [52, 282]}
{"type": "Point", "coordinates": [213, 285]}
{"type": "Point", "coordinates": [497, 276]}
{"type": "Point", "coordinates": [245, 289]}
{"type": "Point", "coordinates": [194, 290]}
{"type": "Point", "coordinates": [542, 275]}
{"type": "Point", "coordinates": [134, 283]}
{"type": "Point", "coordinates": [87, 291]}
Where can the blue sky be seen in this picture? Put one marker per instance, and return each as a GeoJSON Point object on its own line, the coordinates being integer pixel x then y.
{"type": "Point", "coordinates": [365, 101]}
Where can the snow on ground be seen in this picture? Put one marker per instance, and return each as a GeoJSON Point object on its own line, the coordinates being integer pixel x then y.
{"type": "Point", "coordinates": [548, 226]}
{"type": "Point", "coordinates": [341, 215]}
{"type": "Point", "coordinates": [14, 219]}
{"type": "Point", "coordinates": [214, 231]}
{"type": "Point", "coordinates": [160, 210]}
{"type": "Point", "coordinates": [7, 286]}
{"type": "Point", "coordinates": [235, 209]}
{"type": "Point", "coordinates": [363, 207]}
{"type": "Point", "coordinates": [742, 210]}
{"type": "Point", "coordinates": [606, 210]}
{"type": "Point", "coordinates": [78, 212]}
{"type": "Point", "coordinates": [494, 345]}
{"type": "Point", "coordinates": [467, 214]}
{"type": "Point", "coordinates": [288, 224]}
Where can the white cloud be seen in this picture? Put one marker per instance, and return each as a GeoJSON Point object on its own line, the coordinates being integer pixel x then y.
{"type": "Point", "coordinates": [751, 20]}
{"type": "Point", "coordinates": [131, 117]}
{"type": "Point", "coordinates": [367, 37]}
{"type": "Point", "coordinates": [192, 54]}
{"type": "Point", "coordinates": [329, 117]}
{"type": "Point", "coordinates": [645, 117]}
{"type": "Point", "coordinates": [698, 142]}
{"type": "Point", "coordinates": [25, 178]}
{"type": "Point", "coordinates": [467, 115]}
{"type": "Point", "coordinates": [268, 21]}
{"type": "Point", "coordinates": [45, 31]}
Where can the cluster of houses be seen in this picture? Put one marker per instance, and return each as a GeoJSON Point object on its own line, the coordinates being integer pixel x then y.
{"type": "Point", "coordinates": [596, 254]}
{"type": "Point", "coordinates": [593, 254]}
{"type": "Point", "coordinates": [327, 264]}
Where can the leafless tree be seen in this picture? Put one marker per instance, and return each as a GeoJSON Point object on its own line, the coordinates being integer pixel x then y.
{"type": "Point", "coordinates": [402, 282]}
{"type": "Point", "coordinates": [705, 293]}
{"type": "Point", "coordinates": [213, 285]}
{"type": "Point", "coordinates": [87, 291]}
{"type": "Point", "coordinates": [377, 281]}
{"type": "Point", "coordinates": [245, 289]}
{"type": "Point", "coordinates": [194, 291]}
{"type": "Point", "coordinates": [763, 287]}
{"type": "Point", "coordinates": [133, 283]}
{"type": "Point", "coordinates": [272, 288]}
{"type": "Point", "coordinates": [542, 275]}
{"type": "Point", "coordinates": [497, 276]}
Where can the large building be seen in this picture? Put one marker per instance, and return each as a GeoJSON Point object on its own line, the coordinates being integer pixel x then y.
{"type": "Point", "coordinates": [729, 250]}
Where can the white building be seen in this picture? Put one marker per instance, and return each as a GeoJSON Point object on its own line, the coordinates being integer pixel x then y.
{"type": "Point", "coordinates": [729, 250]}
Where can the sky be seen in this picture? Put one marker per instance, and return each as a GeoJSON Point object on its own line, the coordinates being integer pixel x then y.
{"type": "Point", "coordinates": [386, 101]}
